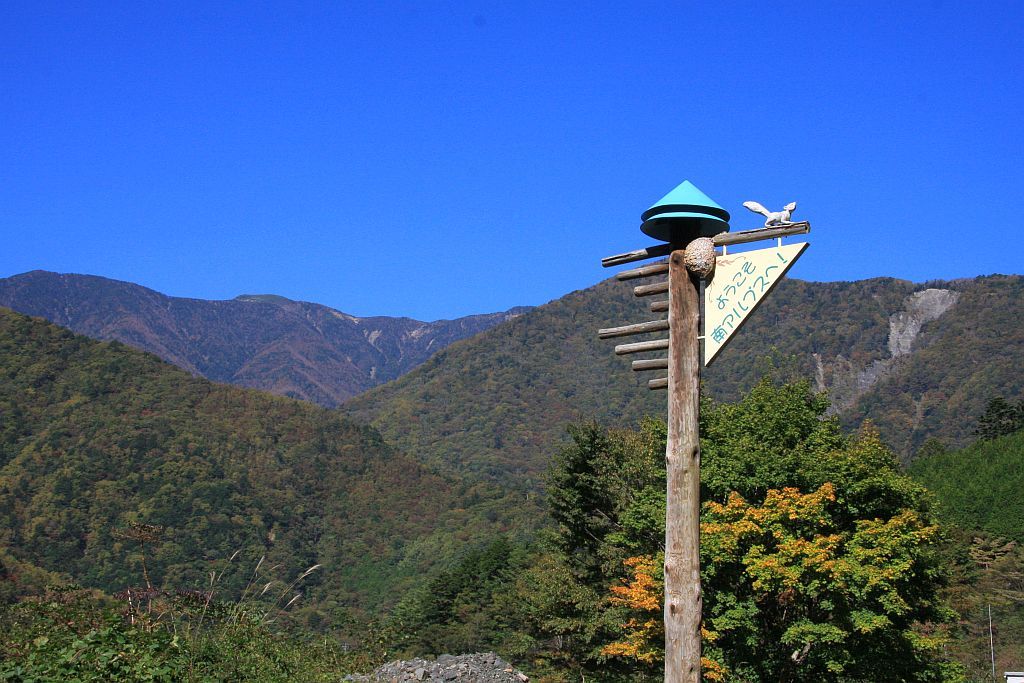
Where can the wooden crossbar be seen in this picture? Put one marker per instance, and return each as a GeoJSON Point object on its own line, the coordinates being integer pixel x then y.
{"type": "Point", "coordinates": [652, 364]}
{"type": "Point", "coordinates": [639, 328]}
{"type": "Point", "coordinates": [638, 255]}
{"type": "Point", "coordinates": [646, 271]}
{"type": "Point", "coordinates": [724, 239]}
{"type": "Point", "coordinates": [639, 347]}
{"type": "Point", "coordinates": [648, 290]}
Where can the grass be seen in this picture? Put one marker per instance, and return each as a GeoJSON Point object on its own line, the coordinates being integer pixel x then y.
{"type": "Point", "coordinates": [147, 634]}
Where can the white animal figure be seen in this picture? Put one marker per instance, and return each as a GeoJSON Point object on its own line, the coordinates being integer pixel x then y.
{"type": "Point", "coordinates": [773, 218]}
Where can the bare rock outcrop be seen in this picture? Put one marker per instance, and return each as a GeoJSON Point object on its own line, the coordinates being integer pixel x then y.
{"type": "Point", "coordinates": [482, 667]}
{"type": "Point", "coordinates": [849, 383]}
{"type": "Point", "coordinates": [920, 308]}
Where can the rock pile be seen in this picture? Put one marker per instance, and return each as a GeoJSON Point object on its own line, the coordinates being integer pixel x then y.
{"type": "Point", "coordinates": [484, 667]}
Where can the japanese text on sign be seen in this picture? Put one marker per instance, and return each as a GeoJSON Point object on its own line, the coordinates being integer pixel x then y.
{"type": "Point", "coordinates": [740, 283]}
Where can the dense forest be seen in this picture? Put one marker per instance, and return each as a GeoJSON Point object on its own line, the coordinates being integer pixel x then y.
{"type": "Point", "coordinates": [95, 436]}
{"type": "Point", "coordinates": [978, 487]}
{"type": "Point", "coordinates": [977, 493]}
{"type": "Point", "coordinates": [821, 557]}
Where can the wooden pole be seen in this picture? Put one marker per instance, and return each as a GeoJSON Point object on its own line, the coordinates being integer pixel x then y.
{"type": "Point", "coordinates": [651, 364]}
{"type": "Point", "coordinates": [683, 602]}
{"type": "Point", "coordinates": [646, 271]}
{"type": "Point", "coordinates": [991, 642]}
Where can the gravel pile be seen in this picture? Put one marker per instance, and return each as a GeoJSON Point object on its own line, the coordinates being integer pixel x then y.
{"type": "Point", "coordinates": [485, 667]}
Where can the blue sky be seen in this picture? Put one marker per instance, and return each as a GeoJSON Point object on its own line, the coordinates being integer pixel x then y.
{"type": "Point", "coordinates": [439, 159]}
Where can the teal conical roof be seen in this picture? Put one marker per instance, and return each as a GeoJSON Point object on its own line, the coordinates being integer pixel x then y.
{"type": "Point", "coordinates": [684, 214]}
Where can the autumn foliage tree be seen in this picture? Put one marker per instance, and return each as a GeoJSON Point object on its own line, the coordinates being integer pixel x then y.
{"type": "Point", "coordinates": [806, 599]}
{"type": "Point", "coordinates": [819, 558]}
{"type": "Point", "coordinates": [642, 594]}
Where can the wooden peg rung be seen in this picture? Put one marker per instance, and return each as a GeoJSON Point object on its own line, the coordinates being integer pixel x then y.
{"type": "Point", "coordinates": [660, 383]}
{"type": "Point", "coordinates": [646, 271]}
{"type": "Point", "coordinates": [724, 239]}
{"type": "Point", "coordinates": [648, 290]}
{"type": "Point", "coordinates": [652, 364]}
{"type": "Point", "coordinates": [639, 328]}
{"type": "Point", "coordinates": [659, 306]}
{"type": "Point", "coordinates": [638, 255]}
{"type": "Point", "coordinates": [639, 347]}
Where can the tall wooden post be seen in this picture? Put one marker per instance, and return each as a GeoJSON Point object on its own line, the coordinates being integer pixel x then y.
{"type": "Point", "coordinates": [686, 219]}
{"type": "Point", "coordinates": [683, 605]}
{"type": "Point", "coordinates": [691, 225]}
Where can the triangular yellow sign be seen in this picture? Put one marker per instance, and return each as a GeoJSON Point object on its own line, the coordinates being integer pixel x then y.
{"type": "Point", "coordinates": [739, 284]}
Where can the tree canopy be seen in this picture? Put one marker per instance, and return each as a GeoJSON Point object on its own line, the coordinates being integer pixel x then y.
{"type": "Point", "coordinates": [1001, 417]}
{"type": "Point", "coordinates": [819, 557]}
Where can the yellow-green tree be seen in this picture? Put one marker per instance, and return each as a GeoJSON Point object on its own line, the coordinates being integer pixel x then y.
{"type": "Point", "coordinates": [819, 556]}
{"type": "Point", "coordinates": [806, 600]}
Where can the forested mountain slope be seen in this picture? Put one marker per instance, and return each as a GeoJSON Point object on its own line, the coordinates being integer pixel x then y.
{"type": "Point", "coordinates": [977, 492]}
{"type": "Point", "coordinates": [979, 487]}
{"type": "Point", "coordinates": [94, 435]}
{"type": "Point", "coordinates": [290, 348]}
{"type": "Point", "coordinates": [920, 360]}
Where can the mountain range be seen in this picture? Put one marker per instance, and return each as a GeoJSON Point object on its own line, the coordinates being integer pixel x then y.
{"type": "Point", "coordinates": [290, 348]}
{"type": "Point", "coordinates": [919, 360]}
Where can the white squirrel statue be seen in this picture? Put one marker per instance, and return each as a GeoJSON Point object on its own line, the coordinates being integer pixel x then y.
{"type": "Point", "coordinates": [773, 218]}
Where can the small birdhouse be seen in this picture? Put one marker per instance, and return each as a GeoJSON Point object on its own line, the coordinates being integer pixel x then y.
{"type": "Point", "coordinates": [683, 215]}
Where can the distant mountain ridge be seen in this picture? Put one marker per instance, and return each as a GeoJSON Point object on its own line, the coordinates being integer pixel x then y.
{"type": "Point", "coordinates": [291, 348]}
{"type": "Point", "coordinates": [918, 360]}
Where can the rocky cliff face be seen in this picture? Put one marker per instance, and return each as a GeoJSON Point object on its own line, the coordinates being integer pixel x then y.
{"type": "Point", "coordinates": [920, 308]}
{"type": "Point", "coordinates": [847, 383]}
{"type": "Point", "coordinates": [293, 348]}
